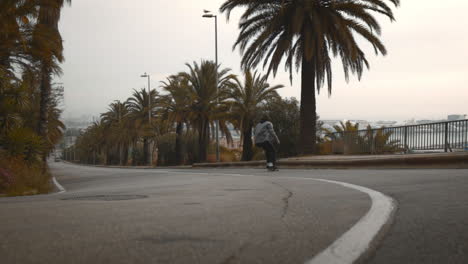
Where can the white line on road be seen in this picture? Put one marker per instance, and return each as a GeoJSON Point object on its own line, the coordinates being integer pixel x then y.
{"type": "Point", "coordinates": [357, 240]}
{"type": "Point", "coordinates": [60, 187]}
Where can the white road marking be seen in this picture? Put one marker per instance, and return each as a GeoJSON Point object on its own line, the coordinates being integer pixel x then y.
{"type": "Point", "coordinates": [357, 240]}
{"type": "Point", "coordinates": [60, 187]}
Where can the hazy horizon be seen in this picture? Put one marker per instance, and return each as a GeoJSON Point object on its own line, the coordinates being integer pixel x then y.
{"type": "Point", "coordinates": [108, 47]}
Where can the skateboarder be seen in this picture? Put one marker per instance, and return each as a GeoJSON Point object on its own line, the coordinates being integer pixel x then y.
{"type": "Point", "coordinates": [265, 137]}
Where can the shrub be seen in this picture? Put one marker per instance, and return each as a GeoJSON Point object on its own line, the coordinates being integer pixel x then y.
{"type": "Point", "coordinates": [18, 177]}
{"type": "Point", "coordinates": [166, 149]}
{"type": "Point", "coordinates": [225, 154]}
{"type": "Point", "coordinates": [23, 142]}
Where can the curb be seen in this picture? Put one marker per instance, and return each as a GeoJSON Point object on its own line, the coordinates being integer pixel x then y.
{"type": "Point", "coordinates": [129, 167]}
{"type": "Point", "coordinates": [452, 161]}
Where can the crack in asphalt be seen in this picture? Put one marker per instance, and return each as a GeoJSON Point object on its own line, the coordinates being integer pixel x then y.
{"type": "Point", "coordinates": [175, 239]}
{"type": "Point", "coordinates": [234, 257]}
{"type": "Point", "coordinates": [285, 199]}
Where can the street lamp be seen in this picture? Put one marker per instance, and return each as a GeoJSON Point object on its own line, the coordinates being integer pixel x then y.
{"type": "Point", "coordinates": [149, 97]}
{"type": "Point", "coordinates": [209, 15]}
{"type": "Point", "coordinates": [149, 111]}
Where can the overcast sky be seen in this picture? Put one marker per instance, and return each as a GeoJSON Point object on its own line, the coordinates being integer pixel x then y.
{"type": "Point", "coordinates": [110, 43]}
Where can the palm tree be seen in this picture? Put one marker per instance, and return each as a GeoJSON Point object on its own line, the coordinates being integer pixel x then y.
{"type": "Point", "coordinates": [346, 136]}
{"type": "Point", "coordinates": [203, 91]}
{"type": "Point", "coordinates": [138, 105]}
{"type": "Point", "coordinates": [15, 34]}
{"type": "Point", "coordinates": [115, 121]}
{"type": "Point", "coordinates": [90, 143]}
{"type": "Point", "coordinates": [177, 107]}
{"type": "Point", "coordinates": [245, 102]}
{"type": "Point", "coordinates": [47, 49]}
{"type": "Point", "coordinates": [305, 33]}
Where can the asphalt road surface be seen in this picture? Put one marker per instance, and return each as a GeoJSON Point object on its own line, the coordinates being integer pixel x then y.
{"type": "Point", "coordinates": [232, 216]}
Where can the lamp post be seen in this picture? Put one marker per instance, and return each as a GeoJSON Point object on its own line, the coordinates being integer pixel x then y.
{"type": "Point", "coordinates": [149, 111]}
{"type": "Point", "coordinates": [209, 15]}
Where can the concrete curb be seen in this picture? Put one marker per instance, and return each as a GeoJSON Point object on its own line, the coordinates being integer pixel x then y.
{"type": "Point", "coordinates": [129, 167]}
{"type": "Point", "coordinates": [409, 161]}
{"type": "Point", "coordinates": [433, 161]}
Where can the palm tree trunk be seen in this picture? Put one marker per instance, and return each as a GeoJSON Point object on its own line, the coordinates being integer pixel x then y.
{"type": "Point", "coordinates": [120, 154]}
{"type": "Point", "coordinates": [178, 145]}
{"type": "Point", "coordinates": [203, 139]}
{"type": "Point", "coordinates": [213, 132]}
{"type": "Point", "coordinates": [160, 159]}
{"type": "Point", "coordinates": [308, 108]}
{"type": "Point", "coordinates": [45, 94]}
{"type": "Point", "coordinates": [134, 147]}
{"type": "Point", "coordinates": [247, 152]}
{"type": "Point", "coordinates": [145, 151]}
{"type": "Point", "coordinates": [125, 154]}
{"type": "Point", "coordinates": [108, 156]}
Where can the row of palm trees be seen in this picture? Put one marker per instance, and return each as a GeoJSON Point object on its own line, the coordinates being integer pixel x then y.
{"type": "Point", "coordinates": [305, 35]}
{"type": "Point", "coordinates": [30, 53]}
{"type": "Point", "coordinates": [189, 105]}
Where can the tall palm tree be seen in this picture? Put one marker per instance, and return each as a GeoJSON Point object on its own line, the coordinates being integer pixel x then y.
{"type": "Point", "coordinates": [203, 91]}
{"type": "Point", "coordinates": [47, 49]}
{"type": "Point", "coordinates": [306, 33]}
{"type": "Point", "coordinates": [139, 108]}
{"type": "Point", "coordinates": [177, 104]}
{"type": "Point", "coordinates": [245, 101]}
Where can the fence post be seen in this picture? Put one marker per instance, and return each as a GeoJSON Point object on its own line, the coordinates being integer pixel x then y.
{"type": "Point", "coordinates": [406, 140]}
{"type": "Point", "coordinates": [466, 135]}
{"type": "Point", "coordinates": [446, 137]}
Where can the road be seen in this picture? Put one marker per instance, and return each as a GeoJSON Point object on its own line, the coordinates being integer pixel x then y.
{"type": "Point", "coordinates": [232, 216]}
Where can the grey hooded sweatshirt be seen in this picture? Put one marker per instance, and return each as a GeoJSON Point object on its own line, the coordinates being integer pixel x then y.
{"type": "Point", "coordinates": [265, 132]}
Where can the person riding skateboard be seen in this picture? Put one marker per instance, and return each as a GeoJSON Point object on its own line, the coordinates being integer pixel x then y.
{"type": "Point", "coordinates": [265, 137]}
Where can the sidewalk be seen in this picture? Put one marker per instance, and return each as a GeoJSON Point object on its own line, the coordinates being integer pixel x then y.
{"type": "Point", "coordinates": [457, 160]}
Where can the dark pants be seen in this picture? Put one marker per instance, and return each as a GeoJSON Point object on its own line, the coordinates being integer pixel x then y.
{"type": "Point", "coordinates": [270, 151]}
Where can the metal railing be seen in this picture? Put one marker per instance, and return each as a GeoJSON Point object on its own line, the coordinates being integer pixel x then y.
{"type": "Point", "coordinates": [444, 137]}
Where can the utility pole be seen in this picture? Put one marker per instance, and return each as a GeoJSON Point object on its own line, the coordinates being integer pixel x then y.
{"type": "Point", "coordinates": [208, 15]}
{"type": "Point", "coordinates": [149, 115]}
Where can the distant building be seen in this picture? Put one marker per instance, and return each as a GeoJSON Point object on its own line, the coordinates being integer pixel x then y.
{"type": "Point", "coordinates": [456, 117]}
{"type": "Point", "coordinates": [386, 123]}
{"type": "Point", "coordinates": [331, 122]}
{"type": "Point", "coordinates": [362, 123]}
{"type": "Point", "coordinates": [422, 122]}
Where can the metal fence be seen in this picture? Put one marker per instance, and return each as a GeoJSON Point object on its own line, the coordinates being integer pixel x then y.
{"type": "Point", "coordinates": [444, 137]}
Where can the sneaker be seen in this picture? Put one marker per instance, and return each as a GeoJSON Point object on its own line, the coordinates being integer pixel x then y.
{"type": "Point", "coordinates": [273, 168]}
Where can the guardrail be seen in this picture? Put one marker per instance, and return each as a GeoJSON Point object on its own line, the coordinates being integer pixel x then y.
{"type": "Point", "coordinates": [444, 136]}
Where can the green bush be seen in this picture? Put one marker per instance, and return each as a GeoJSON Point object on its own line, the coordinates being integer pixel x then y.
{"type": "Point", "coordinates": [23, 142]}
{"type": "Point", "coordinates": [166, 150]}
{"type": "Point", "coordinates": [20, 178]}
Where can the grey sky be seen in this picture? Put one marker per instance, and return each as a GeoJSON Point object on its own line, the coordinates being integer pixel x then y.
{"type": "Point", "coordinates": [110, 43]}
